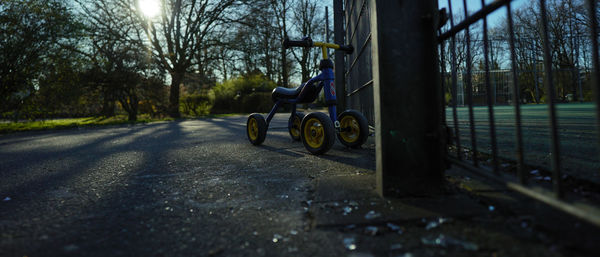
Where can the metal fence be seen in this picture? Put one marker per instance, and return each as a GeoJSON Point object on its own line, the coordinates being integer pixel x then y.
{"type": "Point", "coordinates": [473, 118]}
{"type": "Point", "coordinates": [516, 171]}
{"type": "Point", "coordinates": [358, 66]}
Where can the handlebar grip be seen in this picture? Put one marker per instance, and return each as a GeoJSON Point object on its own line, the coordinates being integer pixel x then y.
{"type": "Point", "coordinates": [349, 49]}
{"type": "Point", "coordinates": [307, 42]}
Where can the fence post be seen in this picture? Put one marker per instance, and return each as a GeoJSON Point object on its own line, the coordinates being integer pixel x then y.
{"type": "Point", "coordinates": [409, 136]}
{"type": "Point", "coordinates": [338, 34]}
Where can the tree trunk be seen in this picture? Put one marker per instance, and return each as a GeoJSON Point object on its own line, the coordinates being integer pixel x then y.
{"type": "Point", "coordinates": [129, 101]}
{"type": "Point", "coordinates": [133, 105]}
{"type": "Point", "coordinates": [284, 72]}
{"type": "Point", "coordinates": [284, 62]}
{"type": "Point", "coordinates": [224, 65]}
{"type": "Point", "coordinates": [176, 79]}
{"type": "Point", "coordinates": [304, 65]}
{"type": "Point", "coordinates": [108, 106]}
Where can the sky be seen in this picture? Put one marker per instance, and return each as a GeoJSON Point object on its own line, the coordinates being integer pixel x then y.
{"type": "Point", "coordinates": [457, 6]}
{"type": "Point", "coordinates": [475, 5]}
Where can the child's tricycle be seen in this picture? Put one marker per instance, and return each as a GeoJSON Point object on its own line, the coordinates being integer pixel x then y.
{"type": "Point", "coordinates": [316, 130]}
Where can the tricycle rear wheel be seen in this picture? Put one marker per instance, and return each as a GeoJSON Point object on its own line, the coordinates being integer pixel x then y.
{"type": "Point", "coordinates": [256, 129]}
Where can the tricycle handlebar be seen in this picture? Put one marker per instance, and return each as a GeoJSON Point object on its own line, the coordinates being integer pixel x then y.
{"type": "Point", "coordinates": [307, 42]}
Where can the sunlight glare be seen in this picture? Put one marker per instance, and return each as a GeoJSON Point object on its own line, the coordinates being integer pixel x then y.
{"type": "Point", "coordinates": [149, 8]}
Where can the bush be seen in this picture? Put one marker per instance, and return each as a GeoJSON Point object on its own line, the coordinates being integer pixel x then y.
{"type": "Point", "coordinates": [225, 97]}
{"type": "Point", "coordinates": [448, 98]}
{"type": "Point", "coordinates": [197, 104]}
{"type": "Point", "coordinates": [588, 96]}
{"type": "Point", "coordinates": [257, 102]}
{"type": "Point", "coordinates": [153, 95]}
{"type": "Point", "coordinates": [245, 94]}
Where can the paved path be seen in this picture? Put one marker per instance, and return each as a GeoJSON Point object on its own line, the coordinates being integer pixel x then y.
{"type": "Point", "coordinates": [193, 187]}
{"type": "Point", "coordinates": [198, 188]}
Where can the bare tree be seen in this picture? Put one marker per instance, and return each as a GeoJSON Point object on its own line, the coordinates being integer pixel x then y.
{"type": "Point", "coordinates": [281, 9]}
{"type": "Point", "coordinates": [567, 29]}
{"type": "Point", "coordinates": [32, 32]}
{"type": "Point", "coordinates": [115, 53]}
{"type": "Point", "coordinates": [179, 34]}
{"type": "Point", "coordinates": [309, 22]}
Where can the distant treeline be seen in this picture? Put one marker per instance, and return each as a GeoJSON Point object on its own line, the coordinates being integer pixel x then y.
{"type": "Point", "coordinates": [101, 57]}
{"type": "Point", "coordinates": [570, 47]}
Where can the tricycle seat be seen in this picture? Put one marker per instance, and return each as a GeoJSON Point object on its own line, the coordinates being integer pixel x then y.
{"type": "Point", "coordinates": [285, 93]}
{"type": "Point", "coordinates": [303, 94]}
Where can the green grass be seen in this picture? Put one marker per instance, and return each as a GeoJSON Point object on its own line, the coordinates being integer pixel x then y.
{"type": "Point", "coordinates": [213, 116]}
{"type": "Point", "coordinates": [9, 127]}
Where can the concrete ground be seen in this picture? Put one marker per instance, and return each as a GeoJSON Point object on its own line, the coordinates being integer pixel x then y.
{"type": "Point", "coordinates": [199, 188]}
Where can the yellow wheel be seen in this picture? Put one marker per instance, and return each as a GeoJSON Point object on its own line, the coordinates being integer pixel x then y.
{"type": "Point", "coordinates": [354, 128]}
{"type": "Point", "coordinates": [313, 133]}
{"type": "Point", "coordinates": [317, 133]}
{"type": "Point", "coordinates": [294, 125]}
{"type": "Point", "coordinates": [256, 129]}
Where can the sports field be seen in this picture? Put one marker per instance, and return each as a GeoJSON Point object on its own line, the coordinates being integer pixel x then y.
{"type": "Point", "coordinates": [577, 134]}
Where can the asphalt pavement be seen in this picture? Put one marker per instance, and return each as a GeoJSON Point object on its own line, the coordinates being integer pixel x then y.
{"type": "Point", "coordinates": [199, 188]}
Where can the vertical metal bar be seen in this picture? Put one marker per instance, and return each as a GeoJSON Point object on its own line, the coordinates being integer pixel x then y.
{"type": "Point", "coordinates": [360, 14]}
{"type": "Point", "coordinates": [581, 98]}
{"type": "Point", "coordinates": [578, 70]}
{"type": "Point", "coordinates": [349, 11]}
{"type": "Point", "coordinates": [535, 75]}
{"type": "Point", "coordinates": [338, 38]}
{"type": "Point", "coordinates": [488, 89]}
{"type": "Point", "coordinates": [595, 60]}
{"type": "Point", "coordinates": [516, 97]}
{"type": "Point", "coordinates": [551, 108]}
{"type": "Point", "coordinates": [470, 91]}
{"type": "Point", "coordinates": [327, 26]}
{"type": "Point", "coordinates": [442, 45]}
{"type": "Point", "coordinates": [454, 82]}
{"type": "Point", "coordinates": [326, 23]}
{"type": "Point", "coordinates": [414, 62]}
{"type": "Point", "coordinates": [443, 80]}
{"type": "Point", "coordinates": [493, 81]}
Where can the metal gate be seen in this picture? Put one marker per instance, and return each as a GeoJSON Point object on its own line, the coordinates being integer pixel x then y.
{"type": "Point", "coordinates": [495, 141]}
{"type": "Point", "coordinates": [358, 66]}
{"type": "Point", "coordinates": [488, 124]}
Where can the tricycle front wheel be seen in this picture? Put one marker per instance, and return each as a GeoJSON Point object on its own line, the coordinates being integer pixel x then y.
{"type": "Point", "coordinates": [317, 133]}
{"type": "Point", "coordinates": [294, 125]}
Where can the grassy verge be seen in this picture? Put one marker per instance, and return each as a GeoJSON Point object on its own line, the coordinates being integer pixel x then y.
{"type": "Point", "coordinates": [10, 127]}
{"type": "Point", "coordinates": [214, 116]}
